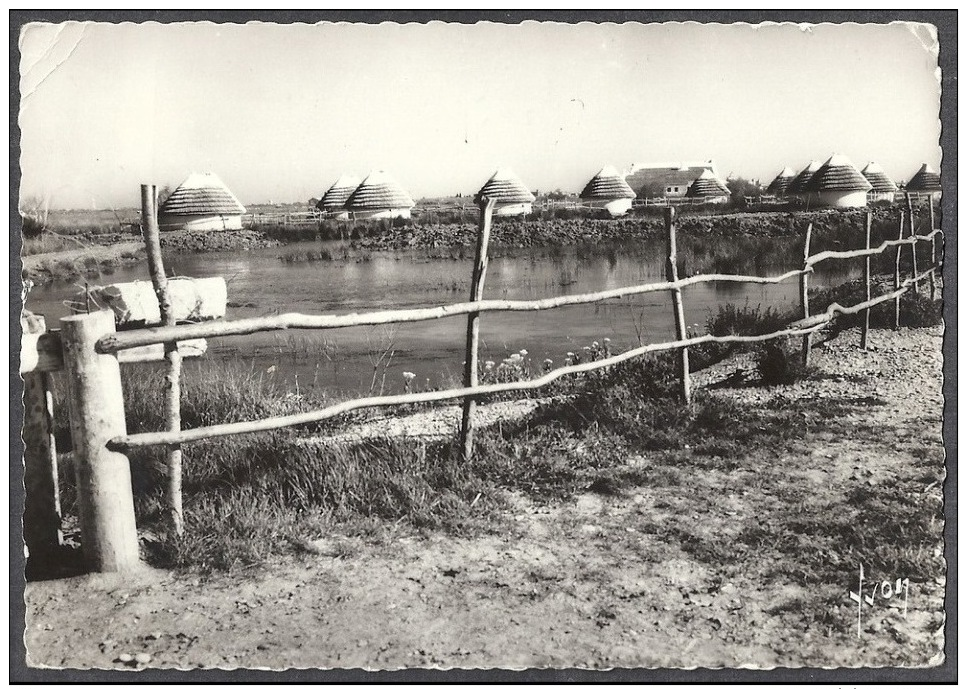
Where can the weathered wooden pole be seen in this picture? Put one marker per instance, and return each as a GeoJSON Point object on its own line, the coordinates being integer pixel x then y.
{"type": "Point", "coordinates": [865, 333]}
{"type": "Point", "coordinates": [913, 247]}
{"type": "Point", "coordinates": [671, 275]}
{"type": "Point", "coordinates": [172, 386]}
{"type": "Point", "coordinates": [109, 536]}
{"type": "Point", "coordinates": [896, 278]}
{"type": "Point", "coordinates": [41, 519]}
{"type": "Point", "coordinates": [934, 263]}
{"type": "Point", "coordinates": [804, 294]}
{"type": "Point", "coordinates": [473, 324]}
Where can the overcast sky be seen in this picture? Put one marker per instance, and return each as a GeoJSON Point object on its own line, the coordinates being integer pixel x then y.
{"type": "Point", "coordinates": [279, 111]}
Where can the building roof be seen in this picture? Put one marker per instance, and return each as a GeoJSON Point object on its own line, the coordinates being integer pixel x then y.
{"type": "Point", "coordinates": [838, 174]}
{"type": "Point", "coordinates": [707, 185]}
{"type": "Point", "coordinates": [607, 184]}
{"type": "Point", "coordinates": [379, 191]}
{"type": "Point", "coordinates": [505, 187]}
{"type": "Point", "coordinates": [338, 194]}
{"type": "Point", "coordinates": [925, 180]}
{"type": "Point", "coordinates": [801, 181]}
{"type": "Point", "coordinates": [881, 183]}
{"type": "Point", "coordinates": [782, 181]}
{"type": "Point", "coordinates": [202, 194]}
{"type": "Point", "coordinates": [649, 179]}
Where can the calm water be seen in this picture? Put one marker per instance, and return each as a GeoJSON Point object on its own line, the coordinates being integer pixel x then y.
{"type": "Point", "coordinates": [260, 283]}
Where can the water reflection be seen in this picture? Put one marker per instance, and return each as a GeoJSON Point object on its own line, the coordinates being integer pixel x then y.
{"type": "Point", "coordinates": [260, 284]}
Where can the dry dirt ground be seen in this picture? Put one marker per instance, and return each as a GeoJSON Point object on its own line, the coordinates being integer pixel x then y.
{"type": "Point", "coordinates": [588, 583]}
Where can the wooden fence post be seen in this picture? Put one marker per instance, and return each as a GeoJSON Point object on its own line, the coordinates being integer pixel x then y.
{"type": "Point", "coordinates": [896, 277]}
{"type": "Point", "coordinates": [913, 247]}
{"type": "Point", "coordinates": [473, 324]}
{"type": "Point", "coordinates": [865, 334]}
{"type": "Point", "coordinates": [172, 387]}
{"type": "Point", "coordinates": [109, 536]}
{"type": "Point", "coordinates": [671, 275]}
{"type": "Point", "coordinates": [41, 519]}
{"type": "Point", "coordinates": [804, 294]}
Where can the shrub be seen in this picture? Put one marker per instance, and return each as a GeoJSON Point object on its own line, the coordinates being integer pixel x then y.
{"type": "Point", "coordinates": [916, 310]}
{"type": "Point", "coordinates": [32, 227]}
{"type": "Point", "coordinates": [780, 364]}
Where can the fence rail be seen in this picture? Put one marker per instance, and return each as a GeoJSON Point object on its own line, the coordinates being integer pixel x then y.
{"type": "Point", "coordinates": [101, 348]}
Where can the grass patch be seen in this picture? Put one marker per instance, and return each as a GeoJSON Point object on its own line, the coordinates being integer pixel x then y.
{"type": "Point", "coordinates": [47, 243]}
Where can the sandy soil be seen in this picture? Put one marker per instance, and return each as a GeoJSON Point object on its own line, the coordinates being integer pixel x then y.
{"type": "Point", "coordinates": [581, 584]}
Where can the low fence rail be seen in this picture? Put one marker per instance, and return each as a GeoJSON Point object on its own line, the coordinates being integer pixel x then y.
{"type": "Point", "coordinates": [92, 350]}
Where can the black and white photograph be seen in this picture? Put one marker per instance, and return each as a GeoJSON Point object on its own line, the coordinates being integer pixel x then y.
{"type": "Point", "coordinates": [481, 344]}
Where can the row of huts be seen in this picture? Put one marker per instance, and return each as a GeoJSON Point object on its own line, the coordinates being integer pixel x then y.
{"type": "Point", "coordinates": [838, 183]}
{"type": "Point", "coordinates": [379, 196]}
{"type": "Point", "coordinates": [203, 202]}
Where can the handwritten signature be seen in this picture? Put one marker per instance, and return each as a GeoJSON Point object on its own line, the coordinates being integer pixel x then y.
{"type": "Point", "coordinates": [879, 591]}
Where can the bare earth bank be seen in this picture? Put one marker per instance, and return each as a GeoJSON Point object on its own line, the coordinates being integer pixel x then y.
{"type": "Point", "coordinates": [588, 583]}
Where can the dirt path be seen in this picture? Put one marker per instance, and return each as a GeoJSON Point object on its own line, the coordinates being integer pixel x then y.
{"type": "Point", "coordinates": [589, 583]}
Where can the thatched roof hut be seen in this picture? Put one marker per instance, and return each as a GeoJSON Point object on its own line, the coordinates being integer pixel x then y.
{"type": "Point", "coordinates": [709, 187]}
{"type": "Point", "coordinates": [609, 190]}
{"type": "Point", "coordinates": [839, 184]}
{"type": "Point", "coordinates": [512, 197]}
{"type": "Point", "coordinates": [379, 196]}
{"type": "Point", "coordinates": [925, 181]}
{"type": "Point", "coordinates": [201, 202]}
{"type": "Point", "coordinates": [780, 184]}
{"type": "Point", "coordinates": [878, 179]}
{"type": "Point", "coordinates": [335, 198]}
{"type": "Point", "coordinates": [799, 183]}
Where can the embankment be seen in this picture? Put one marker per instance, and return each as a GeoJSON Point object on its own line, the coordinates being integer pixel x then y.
{"type": "Point", "coordinates": [580, 230]}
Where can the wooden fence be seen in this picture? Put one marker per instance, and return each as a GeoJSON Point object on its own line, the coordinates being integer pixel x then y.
{"type": "Point", "coordinates": [310, 217]}
{"type": "Point", "coordinates": [91, 348]}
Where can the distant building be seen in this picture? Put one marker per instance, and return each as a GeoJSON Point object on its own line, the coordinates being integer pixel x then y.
{"type": "Point", "coordinates": [512, 197]}
{"type": "Point", "coordinates": [609, 190]}
{"type": "Point", "coordinates": [709, 188]}
{"type": "Point", "coordinates": [201, 202]}
{"type": "Point", "coordinates": [838, 184]}
{"type": "Point", "coordinates": [926, 181]}
{"type": "Point", "coordinates": [884, 188]}
{"type": "Point", "coordinates": [333, 202]}
{"type": "Point", "coordinates": [780, 184]}
{"type": "Point", "coordinates": [650, 180]}
{"type": "Point", "coordinates": [379, 196]}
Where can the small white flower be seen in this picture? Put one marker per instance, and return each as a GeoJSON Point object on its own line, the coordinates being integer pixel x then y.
{"type": "Point", "coordinates": [548, 362]}
{"type": "Point", "coordinates": [570, 354]}
{"type": "Point", "coordinates": [523, 352]}
{"type": "Point", "coordinates": [607, 340]}
{"type": "Point", "coordinates": [595, 344]}
{"type": "Point", "coordinates": [408, 376]}
{"type": "Point", "coordinates": [488, 365]}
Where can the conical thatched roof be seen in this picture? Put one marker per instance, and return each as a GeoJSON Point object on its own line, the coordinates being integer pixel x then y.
{"type": "Point", "coordinates": [925, 180]}
{"type": "Point", "coordinates": [707, 185]}
{"type": "Point", "coordinates": [781, 183]}
{"type": "Point", "coordinates": [338, 194]}
{"type": "Point", "coordinates": [378, 191]}
{"type": "Point", "coordinates": [838, 174]}
{"type": "Point", "coordinates": [801, 181]}
{"type": "Point", "coordinates": [505, 187]}
{"type": "Point", "coordinates": [881, 183]}
{"type": "Point", "coordinates": [202, 194]}
{"type": "Point", "coordinates": [607, 184]}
